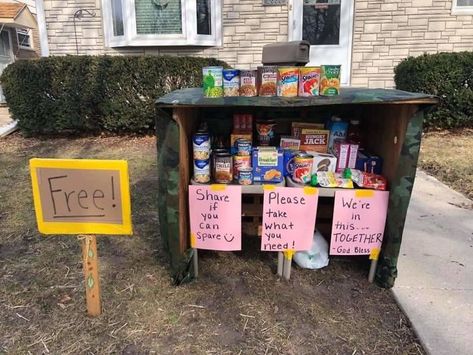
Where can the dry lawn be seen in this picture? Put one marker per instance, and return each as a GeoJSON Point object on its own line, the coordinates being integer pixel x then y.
{"type": "Point", "coordinates": [449, 157]}
{"type": "Point", "coordinates": [238, 305]}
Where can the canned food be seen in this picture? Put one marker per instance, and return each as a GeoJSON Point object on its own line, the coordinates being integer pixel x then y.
{"type": "Point", "coordinates": [202, 171]}
{"type": "Point", "coordinates": [249, 122]}
{"type": "Point", "coordinates": [248, 83]}
{"type": "Point", "coordinates": [237, 118]}
{"type": "Point", "coordinates": [288, 80]}
{"type": "Point", "coordinates": [309, 79]}
{"type": "Point", "coordinates": [212, 81]}
{"type": "Point", "coordinates": [241, 161]}
{"type": "Point", "coordinates": [245, 176]}
{"type": "Point", "coordinates": [267, 80]}
{"type": "Point", "coordinates": [231, 82]}
{"type": "Point", "coordinates": [330, 80]}
{"type": "Point", "coordinates": [201, 146]}
{"type": "Point", "coordinates": [223, 168]}
{"type": "Point", "coordinates": [302, 168]}
{"type": "Point", "coordinates": [243, 146]}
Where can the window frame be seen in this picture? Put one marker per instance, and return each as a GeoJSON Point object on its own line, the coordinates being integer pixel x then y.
{"type": "Point", "coordinates": [189, 36]}
{"type": "Point", "coordinates": [461, 10]}
{"type": "Point", "coordinates": [29, 33]}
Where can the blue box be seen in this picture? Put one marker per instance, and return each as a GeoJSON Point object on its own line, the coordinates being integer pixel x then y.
{"type": "Point", "coordinates": [267, 164]}
{"type": "Point", "coordinates": [369, 163]}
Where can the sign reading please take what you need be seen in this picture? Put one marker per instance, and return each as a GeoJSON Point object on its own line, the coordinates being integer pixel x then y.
{"type": "Point", "coordinates": [80, 196]}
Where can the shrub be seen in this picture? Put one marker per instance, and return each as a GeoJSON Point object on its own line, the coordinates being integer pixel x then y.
{"type": "Point", "coordinates": [446, 75]}
{"type": "Point", "coordinates": [95, 93]}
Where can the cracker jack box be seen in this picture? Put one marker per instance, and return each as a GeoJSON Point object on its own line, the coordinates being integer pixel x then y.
{"type": "Point", "coordinates": [315, 140]}
{"type": "Point", "coordinates": [267, 164]}
{"type": "Point", "coordinates": [369, 163]}
{"type": "Point", "coordinates": [323, 162]}
{"type": "Point", "coordinates": [296, 127]}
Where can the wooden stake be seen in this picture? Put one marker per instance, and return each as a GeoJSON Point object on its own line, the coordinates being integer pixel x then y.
{"type": "Point", "coordinates": [280, 263]}
{"type": "Point", "coordinates": [372, 272]}
{"type": "Point", "coordinates": [287, 264]}
{"type": "Point", "coordinates": [91, 274]}
{"type": "Point", "coordinates": [196, 263]}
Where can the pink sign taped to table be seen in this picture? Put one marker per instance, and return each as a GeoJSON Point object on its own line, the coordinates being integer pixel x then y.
{"type": "Point", "coordinates": [358, 223]}
{"type": "Point", "coordinates": [288, 218]}
{"type": "Point", "coordinates": [215, 217]}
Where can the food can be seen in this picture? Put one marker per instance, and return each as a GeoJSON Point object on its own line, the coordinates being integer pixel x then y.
{"type": "Point", "coordinates": [309, 79]}
{"type": "Point", "coordinates": [240, 161]}
{"type": "Point", "coordinates": [212, 81]}
{"type": "Point", "coordinates": [265, 132]}
{"type": "Point", "coordinates": [231, 82]}
{"type": "Point", "coordinates": [202, 171]}
{"type": "Point", "coordinates": [330, 80]}
{"type": "Point", "coordinates": [243, 146]}
{"type": "Point", "coordinates": [237, 118]}
{"type": "Point", "coordinates": [249, 122]}
{"type": "Point", "coordinates": [245, 176]}
{"type": "Point", "coordinates": [201, 146]}
{"type": "Point", "coordinates": [288, 81]}
{"type": "Point", "coordinates": [248, 83]}
{"type": "Point", "coordinates": [302, 168]}
{"type": "Point", "coordinates": [267, 80]}
{"type": "Point", "coordinates": [223, 168]}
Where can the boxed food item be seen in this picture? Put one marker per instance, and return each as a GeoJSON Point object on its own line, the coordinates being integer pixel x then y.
{"type": "Point", "coordinates": [267, 164]}
{"type": "Point", "coordinates": [296, 127]}
{"type": "Point", "coordinates": [352, 155]}
{"type": "Point", "coordinates": [289, 143]}
{"type": "Point", "coordinates": [369, 163]}
{"type": "Point", "coordinates": [341, 149]}
{"type": "Point", "coordinates": [315, 140]}
{"type": "Point", "coordinates": [323, 162]}
{"type": "Point", "coordinates": [231, 82]}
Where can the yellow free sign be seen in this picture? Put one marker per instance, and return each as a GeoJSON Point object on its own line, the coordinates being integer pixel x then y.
{"type": "Point", "coordinates": [81, 196]}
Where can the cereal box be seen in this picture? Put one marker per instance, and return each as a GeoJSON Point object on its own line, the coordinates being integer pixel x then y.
{"type": "Point", "coordinates": [288, 81]}
{"type": "Point", "coordinates": [309, 79]}
{"type": "Point", "coordinates": [267, 164]}
{"type": "Point", "coordinates": [330, 80]}
{"type": "Point", "coordinates": [352, 155]}
{"type": "Point", "coordinates": [369, 163]}
{"type": "Point", "coordinates": [341, 150]}
{"type": "Point", "coordinates": [315, 140]}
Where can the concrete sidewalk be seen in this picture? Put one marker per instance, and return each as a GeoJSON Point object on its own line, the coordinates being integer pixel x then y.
{"type": "Point", "coordinates": [435, 283]}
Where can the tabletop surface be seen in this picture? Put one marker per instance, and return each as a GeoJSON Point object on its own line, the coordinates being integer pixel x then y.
{"type": "Point", "coordinates": [193, 97]}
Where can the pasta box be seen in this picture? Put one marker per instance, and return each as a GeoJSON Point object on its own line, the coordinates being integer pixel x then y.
{"type": "Point", "coordinates": [267, 164]}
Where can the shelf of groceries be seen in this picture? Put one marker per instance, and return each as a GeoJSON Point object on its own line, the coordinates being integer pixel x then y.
{"type": "Point", "coordinates": [328, 156]}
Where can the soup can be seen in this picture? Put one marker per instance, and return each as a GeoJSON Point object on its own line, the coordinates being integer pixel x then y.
{"type": "Point", "coordinates": [223, 168]}
{"type": "Point", "coordinates": [248, 83]}
{"type": "Point", "coordinates": [212, 81]}
{"type": "Point", "coordinates": [245, 176]}
{"type": "Point", "coordinates": [302, 168]}
{"type": "Point", "coordinates": [240, 161]}
{"type": "Point", "coordinates": [267, 80]}
{"type": "Point", "coordinates": [201, 146]}
{"type": "Point", "coordinates": [330, 80]}
{"type": "Point", "coordinates": [288, 81]}
{"type": "Point", "coordinates": [309, 79]}
{"type": "Point", "coordinates": [202, 171]}
{"type": "Point", "coordinates": [231, 82]}
{"type": "Point", "coordinates": [243, 146]}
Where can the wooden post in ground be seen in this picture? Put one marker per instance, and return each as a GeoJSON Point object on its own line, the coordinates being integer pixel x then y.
{"type": "Point", "coordinates": [91, 274]}
{"type": "Point", "coordinates": [280, 263]}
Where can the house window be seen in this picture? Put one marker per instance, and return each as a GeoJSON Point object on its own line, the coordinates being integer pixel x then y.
{"type": "Point", "coordinates": [462, 7]}
{"type": "Point", "coordinates": [24, 38]}
{"type": "Point", "coordinates": [162, 22]}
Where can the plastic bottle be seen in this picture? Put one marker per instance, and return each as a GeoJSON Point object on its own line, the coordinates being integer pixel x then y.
{"type": "Point", "coordinates": [354, 132]}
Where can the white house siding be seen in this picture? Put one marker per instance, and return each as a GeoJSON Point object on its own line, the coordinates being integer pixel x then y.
{"type": "Point", "coordinates": [387, 31]}
{"type": "Point", "coordinates": [247, 26]}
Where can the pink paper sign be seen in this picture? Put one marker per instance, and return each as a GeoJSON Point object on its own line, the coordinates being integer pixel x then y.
{"type": "Point", "coordinates": [215, 216]}
{"type": "Point", "coordinates": [358, 223]}
{"type": "Point", "coordinates": [288, 218]}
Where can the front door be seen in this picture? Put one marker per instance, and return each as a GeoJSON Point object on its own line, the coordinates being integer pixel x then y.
{"type": "Point", "coordinates": [328, 26]}
{"type": "Point", "coordinates": [6, 55]}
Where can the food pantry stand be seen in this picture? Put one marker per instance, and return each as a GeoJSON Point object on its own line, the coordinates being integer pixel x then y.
{"type": "Point", "coordinates": [391, 120]}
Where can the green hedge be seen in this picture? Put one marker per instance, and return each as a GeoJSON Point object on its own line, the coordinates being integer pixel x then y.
{"type": "Point", "coordinates": [91, 94]}
{"type": "Point", "coordinates": [447, 75]}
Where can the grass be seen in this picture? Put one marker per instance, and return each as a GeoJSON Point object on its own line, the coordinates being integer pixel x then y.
{"type": "Point", "coordinates": [447, 156]}
{"type": "Point", "coordinates": [237, 306]}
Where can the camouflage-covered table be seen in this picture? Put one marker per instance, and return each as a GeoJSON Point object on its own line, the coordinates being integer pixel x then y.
{"type": "Point", "coordinates": [392, 118]}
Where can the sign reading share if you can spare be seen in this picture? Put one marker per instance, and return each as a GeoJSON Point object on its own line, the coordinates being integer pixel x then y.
{"type": "Point", "coordinates": [79, 196]}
